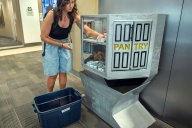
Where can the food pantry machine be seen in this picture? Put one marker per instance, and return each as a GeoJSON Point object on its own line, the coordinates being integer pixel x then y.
{"type": "Point", "coordinates": [118, 68]}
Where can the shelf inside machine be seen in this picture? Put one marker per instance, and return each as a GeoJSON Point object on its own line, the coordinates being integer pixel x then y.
{"type": "Point", "coordinates": [90, 40]}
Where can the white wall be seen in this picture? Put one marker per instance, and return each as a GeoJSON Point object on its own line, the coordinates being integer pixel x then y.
{"type": "Point", "coordinates": [6, 30]}
{"type": "Point", "coordinates": [10, 6]}
{"type": "Point", "coordinates": [31, 25]}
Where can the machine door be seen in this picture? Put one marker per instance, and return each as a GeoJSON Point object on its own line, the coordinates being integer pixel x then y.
{"type": "Point", "coordinates": [122, 45]}
{"type": "Point", "coordinates": [140, 46]}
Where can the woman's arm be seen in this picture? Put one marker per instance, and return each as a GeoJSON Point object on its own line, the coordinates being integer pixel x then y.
{"type": "Point", "coordinates": [87, 30]}
{"type": "Point", "coordinates": [46, 28]}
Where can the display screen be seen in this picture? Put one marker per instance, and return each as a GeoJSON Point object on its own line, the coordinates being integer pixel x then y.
{"type": "Point", "coordinates": [48, 5]}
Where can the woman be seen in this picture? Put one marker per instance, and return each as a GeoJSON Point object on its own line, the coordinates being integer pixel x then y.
{"type": "Point", "coordinates": [57, 58]}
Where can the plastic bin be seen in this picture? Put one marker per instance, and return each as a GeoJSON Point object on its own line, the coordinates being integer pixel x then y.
{"type": "Point", "coordinates": [58, 109]}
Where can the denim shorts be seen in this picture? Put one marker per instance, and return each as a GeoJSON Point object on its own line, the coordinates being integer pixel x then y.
{"type": "Point", "coordinates": [56, 59]}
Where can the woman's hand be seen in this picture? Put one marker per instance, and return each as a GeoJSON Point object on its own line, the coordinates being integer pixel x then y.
{"type": "Point", "coordinates": [101, 36]}
{"type": "Point", "coordinates": [66, 46]}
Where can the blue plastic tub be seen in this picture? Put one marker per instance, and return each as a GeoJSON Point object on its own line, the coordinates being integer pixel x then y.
{"type": "Point", "coordinates": [59, 108]}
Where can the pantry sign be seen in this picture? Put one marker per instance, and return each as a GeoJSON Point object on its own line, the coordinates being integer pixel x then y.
{"type": "Point", "coordinates": [136, 46]}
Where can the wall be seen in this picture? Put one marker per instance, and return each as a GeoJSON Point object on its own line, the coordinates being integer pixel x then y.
{"type": "Point", "coordinates": [168, 95]}
{"type": "Point", "coordinates": [40, 9]}
{"type": "Point", "coordinates": [178, 102]}
{"type": "Point", "coordinates": [85, 7]}
{"type": "Point", "coordinates": [31, 25]}
{"type": "Point", "coordinates": [6, 31]}
{"type": "Point", "coordinates": [9, 2]}
{"type": "Point", "coordinates": [18, 22]}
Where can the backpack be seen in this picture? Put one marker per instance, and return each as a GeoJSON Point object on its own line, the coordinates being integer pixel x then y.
{"type": "Point", "coordinates": [54, 25]}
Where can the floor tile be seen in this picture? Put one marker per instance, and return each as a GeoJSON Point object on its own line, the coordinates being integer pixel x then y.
{"type": "Point", "coordinates": [22, 79]}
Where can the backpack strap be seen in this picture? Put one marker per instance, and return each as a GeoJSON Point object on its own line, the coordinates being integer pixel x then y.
{"type": "Point", "coordinates": [55, 18]}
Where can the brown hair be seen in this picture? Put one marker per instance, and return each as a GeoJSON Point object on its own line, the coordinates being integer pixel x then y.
{"type": "Point", "coordinates": [61, 4]}
{"type": "Point", "coordinates": [100, 56]}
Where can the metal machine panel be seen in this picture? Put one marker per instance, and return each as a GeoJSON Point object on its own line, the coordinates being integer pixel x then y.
{"type": "Point", "coordinates": [144, 38]}
{"type": "Point", "coordinates": [118, 109]}
{"type": "Point", "coordinates": [141, 42]}
{"type": "Point", "coordinates": [122, 44]}
{"type": "Point", "coordinates": [153, 97]}
{"type": "Point", "coordinates": [117, 49]}
{"type": "Point", "coordinates": [178, 104]}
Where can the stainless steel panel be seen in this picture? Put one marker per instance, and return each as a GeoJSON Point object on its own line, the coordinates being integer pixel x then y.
{"type": "Point", "coordinates": [178, 110]}
{"type": "Point", "coordinates": [110, 104]}
{"type": "Point", "coordinates": [153, 97]}
{"type": "Point", "coordinates": [141, 43]}
{"type": "Point", "coordinates": [122, 45]}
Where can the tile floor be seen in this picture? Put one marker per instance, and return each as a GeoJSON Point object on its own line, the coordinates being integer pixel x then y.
{"type": "Point", "coordinates": [7, 42]}
{"type": "Point", "coordinates": [22, 79]}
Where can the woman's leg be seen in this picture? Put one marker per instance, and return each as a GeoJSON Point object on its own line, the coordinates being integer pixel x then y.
{"type": "Point", "coordinates": [62, 80]}
{"type": "Point", "coordinates": [51, 83]}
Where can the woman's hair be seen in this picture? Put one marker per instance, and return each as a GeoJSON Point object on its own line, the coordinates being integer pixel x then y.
{"type": "Point", "coordinates": [61, 4]}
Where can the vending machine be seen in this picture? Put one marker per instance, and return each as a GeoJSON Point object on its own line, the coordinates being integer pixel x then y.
{"type": "Point", "coordinates": [117, 68]}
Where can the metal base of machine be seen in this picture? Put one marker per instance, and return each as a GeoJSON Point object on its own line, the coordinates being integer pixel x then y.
{"type": "Point", "coordinates": [120, 110]}
{"type": "Point", "coordinates": [134, 116]}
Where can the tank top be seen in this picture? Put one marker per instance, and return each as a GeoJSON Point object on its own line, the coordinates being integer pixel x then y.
{"type": "Point", "coordinates": [58, 32]}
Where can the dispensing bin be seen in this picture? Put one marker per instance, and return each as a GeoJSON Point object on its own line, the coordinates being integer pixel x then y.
{"type": "Point", "coordinates": [59, 108]}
